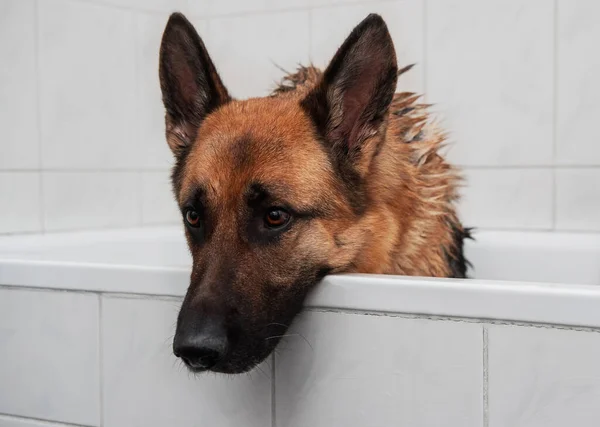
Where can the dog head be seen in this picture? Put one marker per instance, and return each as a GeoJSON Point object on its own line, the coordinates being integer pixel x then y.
{"type": "Point", "coordinates": [270, 189]}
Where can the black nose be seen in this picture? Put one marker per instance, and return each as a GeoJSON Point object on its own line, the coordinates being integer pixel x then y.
{"type": "Point", "coordinates": [201, 344]}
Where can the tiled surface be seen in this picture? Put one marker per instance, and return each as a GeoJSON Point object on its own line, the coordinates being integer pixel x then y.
{"type": "Point", "coordinates": [578, 199]}
{"type": "Point", "coordinates": [578, 88]}
{"type": "Point", "coordinates": [543, 377]}
{"type": "Point", "coordinates": [76, 200]}
{"type": "Point", "coordinates": [337, 369]}
{"type": "Point", "coordinates": [513, 81]}
{"type": "Point", "coordinates": [20, 208]}
{"type": "Point", "coordinates": [490, 69]}
{"type": "Point", "coordinates": [87, 85]}
{"type": "Point", "coordinates": [49, 363]}
{"type": "Point", "coordinates": [248, 50]}
{"type": "Point", "coordinates": [145, 386]}
{"type": "Point", "coordinates": [158, 201]}
{"type": "Point", "coordinates": [507, 198]}
{"type": "Point", "coordinates": [405, 23]}
{"type": "Point", "coordinates": [18, 90]}
{"type": "Point", "coordinates": [9, 421]}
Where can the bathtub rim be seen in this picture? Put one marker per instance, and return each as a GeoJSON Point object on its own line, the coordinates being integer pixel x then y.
{"type": "Point", "coordinates": [528, 302]}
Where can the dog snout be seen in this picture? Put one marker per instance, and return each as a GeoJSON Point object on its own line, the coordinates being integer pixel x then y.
{"type": "Point", "coordinates": [201, 342]}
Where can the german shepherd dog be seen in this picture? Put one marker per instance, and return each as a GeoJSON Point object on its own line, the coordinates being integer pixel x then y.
{"type": "Point", "coordinates": [331, 173]}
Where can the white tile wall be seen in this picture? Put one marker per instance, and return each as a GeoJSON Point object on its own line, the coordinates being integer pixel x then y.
{"type": "Point", "coordinates": [76, 200]}
{"type": "Point", "coordinates": [248, 50]}
{"type": "Point", "coordinates": [18, 103]}
{"type": "Point", "coordinates": [490, 68]}
{"type": "Point", "coordinates": [146, 386]}
{"type": "Point", "coordinates": [578, 89]}
{"type": "Point", "coordinates": [87, 72]}
{"type": "Point", "coordinates": [20, 205]}
{"type": "Point", "coordinates": [158, 201]}
{"type": "Point", "coordinates": [514, 82]}
{"type": "Point", "coordinates": [49, 363]}
{"type": "Point", "coordinates": [578, 199]}
{"type": "Point", "coordinates": [507, 198]}
{"type": "Point", "coordinates": [322, 379]}
{"type": "Point", "coordinates": [543, 377]}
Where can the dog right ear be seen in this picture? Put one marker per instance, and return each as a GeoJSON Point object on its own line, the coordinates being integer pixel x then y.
{"type": "Point", "coordinates": [191, 87]}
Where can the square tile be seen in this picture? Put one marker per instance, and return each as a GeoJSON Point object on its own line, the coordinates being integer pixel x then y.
{"type": "Point", "coordinates": [578, 199]}
{"type": "Point", "coordinates": [404, 19]}
{"type": "Point", "coordinates": [78, 200]}
{"type": "Point", "coordinates": [87, 85]}
{"type": "Point", "coordinates": [20, 209]}
{"type": "Point", "coordinates": [507, 198]}
{"type": "Point", "coordinates": [490, 70]}
{"type": "Point", "coordinates": [18, 88]}
{"type": "Point", "coordinates": [578, 87]}
{"type": "Point", "coordinates": [158, 202]}
{"type": "Point", "coordinates": [146, 386]}
{"type": "Point", "coordinates": [542, 377]}
{"type": "Point", "coordinates": [248, 50]}
{"type": "Point", "coordinates": [50, 356]}
{"type": "Point", "coordinates": [150, 112]}
{"type": "Point", "coordinates": [339, 369]}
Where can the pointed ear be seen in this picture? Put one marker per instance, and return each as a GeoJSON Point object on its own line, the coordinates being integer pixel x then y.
{"type": "Point", "coordinates": [350, 104]}
{"type": "Point", "coordinates": [191, 87]}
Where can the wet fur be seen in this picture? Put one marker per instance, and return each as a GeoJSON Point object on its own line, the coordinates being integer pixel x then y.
{"type": "Point", "coordinates": [410, 185]}
{"type": "Point", "coordinates": [356, 165]}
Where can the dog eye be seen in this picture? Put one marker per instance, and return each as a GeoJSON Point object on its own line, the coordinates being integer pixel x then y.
{"type": "Point", "coordinates": [192, 218]}
{"type": "Point", "coordinates": [276, 218]}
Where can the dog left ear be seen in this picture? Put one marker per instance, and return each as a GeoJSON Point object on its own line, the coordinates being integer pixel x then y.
{"type": "Point", "coordinates": [191, 87]}
{"type": "Point", "coordinates": [350, 104]}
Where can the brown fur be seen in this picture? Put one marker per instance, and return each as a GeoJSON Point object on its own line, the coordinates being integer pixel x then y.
{"type": "Point", "coordinates": [408, 228]}
{"type": "Point", "coordinates": [357, 167]}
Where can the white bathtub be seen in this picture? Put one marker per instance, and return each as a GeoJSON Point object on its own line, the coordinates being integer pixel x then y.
{"type": "Point", "coordinates": [86, 321]}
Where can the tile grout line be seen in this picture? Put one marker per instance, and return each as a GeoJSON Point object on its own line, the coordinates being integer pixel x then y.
{"type": "Point", "coordinates": [100, 359]}
{"type": "Point", "coordinates": [38, 112]}
{"type": "Point", "coordinates": [486, 379]}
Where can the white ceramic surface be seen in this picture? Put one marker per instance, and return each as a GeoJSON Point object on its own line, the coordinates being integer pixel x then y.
{"type": "Point", "coordinates": [507, 199]}
{"type": "Point", "coordinates": [578, 199]}
{"type": "Point", "coordinates": [18, 86]}
{"type": "Point", "coordinates": [362, 370]}
{"type": "Point", "coordinates": [20, 199]}
{"type": "Point", "coordinates": [49, 363]}
{"type": "Point", "coordinates": [578, 90]}
{"type": "Point", "coordinates": [543, 377]}
{"type": "Point", "coordinates": [490, 68]}
{"type": "Point", "coordinates": [528, 277]}
{"type": "Point", "coordinates": [87, 107]}
{"type": "Point", "coordinates": [84, 200]}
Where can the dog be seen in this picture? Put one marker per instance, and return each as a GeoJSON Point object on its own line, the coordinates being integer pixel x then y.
{"type": "Point", "coordinates": [331, 173]}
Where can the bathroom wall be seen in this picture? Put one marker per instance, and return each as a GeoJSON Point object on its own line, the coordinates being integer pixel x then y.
{"type": "Point", "coordinates": [82, 146]}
